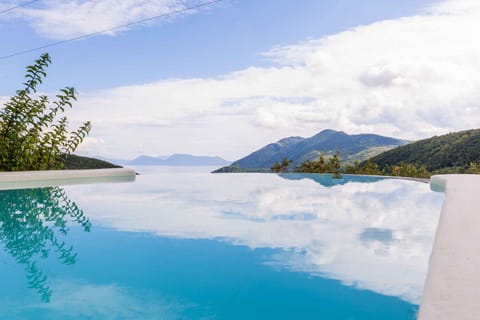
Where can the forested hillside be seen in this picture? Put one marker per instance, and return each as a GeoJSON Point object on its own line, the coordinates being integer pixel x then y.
{"type": "Point", "coordinates": [445, 153]}
{"type": "Point", "coordinates": [77, 162]}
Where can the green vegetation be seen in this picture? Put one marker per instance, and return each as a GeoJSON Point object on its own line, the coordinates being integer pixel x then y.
{"type": "Point", "coordinates": [281, 166]}
{"type": "Point", "coordinates": [316, 166]}
{"type": "Point", "coordinates": [236, 169]}
{"type": "Point", "coordinates": [76, 162]}
{"type": "Point", "coordinates": [472, 168]}
{"type": "Point", "coordinates": [34, 226]}
{"type": "Point", "coordinates": [457, 152]}
{"type": "Point", "coordinates": [331, 165]}
{"type": "Point", "coordinates": [402, 170]}
{"type": "Point", "coordinates": [452, 153]}
{"type": "Point", "coordinates": [33, 133]}
{"type": "Point", "coordinates": [366, 154]}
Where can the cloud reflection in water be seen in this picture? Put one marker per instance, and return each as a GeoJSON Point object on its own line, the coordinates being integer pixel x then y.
{"type": "Point", "coordinates": [376, 235]}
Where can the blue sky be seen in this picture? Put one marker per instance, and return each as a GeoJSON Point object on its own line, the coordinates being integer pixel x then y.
{"type": "Point", "coordinates": [262, 70]}
{"type": "Point", "coordinates": [229, 36]}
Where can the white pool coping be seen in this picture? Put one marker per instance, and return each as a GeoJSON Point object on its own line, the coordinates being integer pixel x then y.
{"type": "Point", "coordinates": [32, 179]}
{"type": "Point", "coordinates": [452, 288]}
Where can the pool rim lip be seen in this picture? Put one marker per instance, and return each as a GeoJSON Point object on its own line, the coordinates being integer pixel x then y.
{"type": "Point", "coordinates": [450, 287]}
{"type": "Point", "coordinates": [47, 178]}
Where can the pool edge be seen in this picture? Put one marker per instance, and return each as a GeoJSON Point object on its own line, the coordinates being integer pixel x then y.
{"type": "Point", "coordinates": [44, 178]}
{"type": "Point", "coordinates": [452, 286]}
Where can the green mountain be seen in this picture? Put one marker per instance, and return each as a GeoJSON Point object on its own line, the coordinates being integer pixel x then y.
{"type": "Point", "coordinates": [453, 150]}
{"type": "Point", "coordinates": [78, 162]}
{"type": "Point", "coordinates": [327, 142]}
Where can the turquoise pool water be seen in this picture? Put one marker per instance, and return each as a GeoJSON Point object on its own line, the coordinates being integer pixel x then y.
{"type": "Point", "coordinates": [195, 245]}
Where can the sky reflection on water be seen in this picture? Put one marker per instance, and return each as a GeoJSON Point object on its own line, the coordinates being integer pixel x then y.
{"type": "Point", "coordinates": [202, 246]}
{"type": "Point", "coordinates": [375, 235]}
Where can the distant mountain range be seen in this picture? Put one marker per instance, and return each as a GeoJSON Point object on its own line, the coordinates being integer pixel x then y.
{"type": "Point", "coordinates": [439, 153]}
{"type": "Point", "coordinates": [327, 142]}
{"type": "Point", "coordinates": [173, 160]}
{"type": "Point", "coordinates": [450, 153]}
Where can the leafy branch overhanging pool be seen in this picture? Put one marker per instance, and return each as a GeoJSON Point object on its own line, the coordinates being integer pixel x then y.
{"type": "Point", "coordinates": [229, 246]}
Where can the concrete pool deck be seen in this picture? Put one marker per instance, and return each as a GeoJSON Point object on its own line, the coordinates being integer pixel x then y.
{"type": "Point", "coordinates": [32, 179]}
{"type": "Point", "coordinates": [452, 288]}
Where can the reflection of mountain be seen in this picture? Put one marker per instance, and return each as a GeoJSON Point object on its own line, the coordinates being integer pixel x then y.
{"type": "Point", "coordinates": [32, 225]}
{"type": "Point", "coordinates": [326, 179]}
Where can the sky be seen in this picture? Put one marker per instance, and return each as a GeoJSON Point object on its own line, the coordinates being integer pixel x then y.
{"type": "Point", "coordinates": [228, 78]}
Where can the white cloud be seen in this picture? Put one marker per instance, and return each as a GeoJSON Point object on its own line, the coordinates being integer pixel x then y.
{"type": "Point", "coordinates": [75, 299]}
{"type": "Point", "coordinates": [92, 145]}
{"type": "Point", "coordinates": [412, 78]}
{"type": "Point", "coordinates": [456, 7]}
{"type": "Point", "coordinates": [60, 19]}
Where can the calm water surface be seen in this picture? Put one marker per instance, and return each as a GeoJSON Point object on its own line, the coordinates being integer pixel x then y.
{"type": "Point", "coordinates": [194, 245]}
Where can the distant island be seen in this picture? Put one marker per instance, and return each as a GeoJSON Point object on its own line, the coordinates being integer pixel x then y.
{"type": "Point", "coordinates": [186, 160]}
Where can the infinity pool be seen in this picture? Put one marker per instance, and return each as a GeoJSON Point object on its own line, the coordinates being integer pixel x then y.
{"type": "Point", "coordinates": [194, 245]}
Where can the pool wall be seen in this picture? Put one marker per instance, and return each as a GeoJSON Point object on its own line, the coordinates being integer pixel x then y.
{"type": "Point", "coordinates": [452, 288]}
{"type": "Point", "coordinates": [32, 179]}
